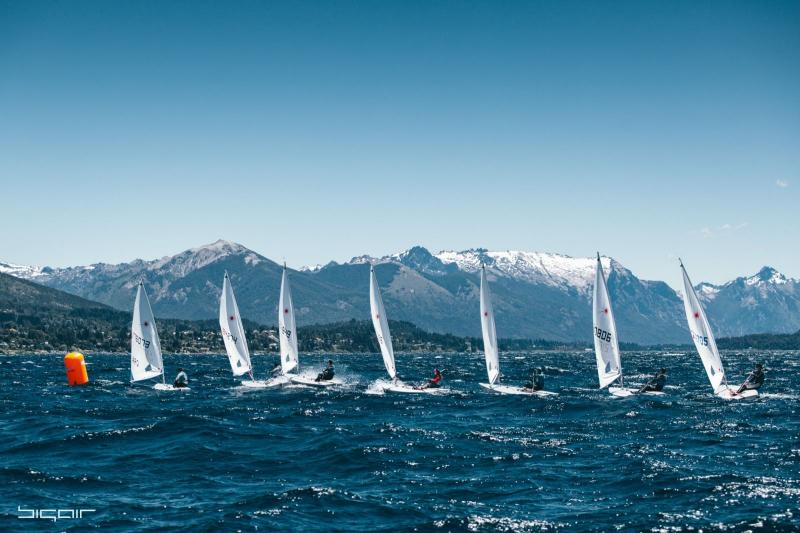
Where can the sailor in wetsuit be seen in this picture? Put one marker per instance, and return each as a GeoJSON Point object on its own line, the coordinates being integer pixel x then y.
{"type": "Point", "coordinates": [276, 368]}
{"type": "Point", "coordinates": [754, 380]}
{"type": "Point", "coordinates": [537, 380]}
{"type": "Point", "coordinates": [657, 383]}
{"type": "Point", "coordinates": [181, 380]}
{"type": "Point", "coordinates": [327, 374]}
{"type": "Point", "coordinates": [435, 381]}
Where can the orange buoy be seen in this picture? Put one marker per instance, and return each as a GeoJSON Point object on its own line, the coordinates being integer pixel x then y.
{"type": "Point", "coordinates": [76, 369]}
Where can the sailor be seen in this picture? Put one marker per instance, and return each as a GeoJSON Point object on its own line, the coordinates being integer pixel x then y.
{"type": "Point", "coordinates": [435, 381]}
{"type": "Point", "coordinates": [327, 374]}
{"type": "Point", "coordinates": [656, 384]}
{"type": "Point", "coordinates": [276, 368]}
{"type": "Point", "coordinates": [537, 380]}
{"type": "Point", "coordinates": [181, 380]}
{"type": "Point", "coordinates": [754, 380]}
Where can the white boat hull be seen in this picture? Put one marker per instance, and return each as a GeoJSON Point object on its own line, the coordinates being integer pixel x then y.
{"type": "Point", "coordinates": [410, 389]}
{"type": "Point", "coordinates": [311, 382]}
{"type": "Point", "coordinates": [728, 394]}
{"type": "Point", "coordinates": [266, 384]}
{"type": "Point", "coordinates": [168, 387]}
{"type": "Point", "coordinates": [508, 389]}
{"type": "Point", "coordinates": [256, 384]}
{"type": "Point", "coordinates": [622, 392]}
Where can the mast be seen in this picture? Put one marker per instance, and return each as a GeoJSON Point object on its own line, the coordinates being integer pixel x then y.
{"type": "Point", "coordinates": [605, 286]}
{"type": "Point", "coordinates": [488, 330]}
{"type": "Point", "coordinates": [702, 335]}
{"type": "Point", "coordinates": [232, 330]}
{"type": "Point", "coordinates": [606, 345]}
{"type": "Point", "coordinates": [381, 325]}
{"type": "Point", "coordinates": [610, 312]}
{"type": "Point", "coordinates": [287, 328]}
{"type": "Point", "coordinates": [146, 359]}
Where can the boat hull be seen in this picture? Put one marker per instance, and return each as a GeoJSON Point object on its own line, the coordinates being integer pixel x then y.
{"type": "Point", "coordinates": [728, 394]}
{"type": "Point", "coordinates": [622, 392]}
{"type": "Point", "coordinates": [520, 391]}
{"type": "Point", "coordinates": [311, 382]}
{"type": "Point", "coordinates": [266, 384]}
{"type": "Point", "coordinates": [410, 389]}
{"type": "Point", "coordinates": [256, 384]}
{"type": "Point", "coordinates": [168, 387]}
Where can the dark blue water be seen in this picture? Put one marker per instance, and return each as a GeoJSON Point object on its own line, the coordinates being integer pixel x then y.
{"type": "Point", "coordinates": [223, 458]}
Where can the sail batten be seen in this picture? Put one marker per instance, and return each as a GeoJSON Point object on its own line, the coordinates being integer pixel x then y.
{"type": "Point", "coordinates": [381, 324]}
{"type": "Point", "coordinates": [146, 359]}
{"type": "Point", "coordinates": [606, 345]}
{"type": "Point", "coordinates": [230, 323]}
{"type": "Point", "coordinates": [490, 349]}
{"type": "Point", "coordinates": [286, 326]}
{"type": "Point", "coordinates": [702, 335]}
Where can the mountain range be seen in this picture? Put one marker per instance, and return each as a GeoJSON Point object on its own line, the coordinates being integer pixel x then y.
{"type": "Point", "coordinates": [536, 295]}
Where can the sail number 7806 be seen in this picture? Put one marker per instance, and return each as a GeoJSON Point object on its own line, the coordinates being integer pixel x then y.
{"type": "Point", "coordinates": [602, 334]}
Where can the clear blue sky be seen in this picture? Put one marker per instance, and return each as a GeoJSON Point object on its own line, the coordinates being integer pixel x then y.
{"type": "Point", "coordinates": [319, 131]}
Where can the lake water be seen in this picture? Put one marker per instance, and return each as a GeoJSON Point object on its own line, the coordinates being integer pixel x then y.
{"type": "Point", "coordinates": [223, 458]}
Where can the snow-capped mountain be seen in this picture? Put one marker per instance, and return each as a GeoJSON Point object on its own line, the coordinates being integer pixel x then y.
{"type": "Point", "coordinates": [766, 302]}
{"type": "Point", "coordinates": [112, 284]}
{"type": "Point", "coordinates": [556, 270]}
{"type": "Point", "coordinates": [536, 295]}
{"type": "Point", "coordinates": [20, 271]}
{"type": "Point", "coordinates": [187, 285]}
{"type": "Point", "coordinates": [535, 267]}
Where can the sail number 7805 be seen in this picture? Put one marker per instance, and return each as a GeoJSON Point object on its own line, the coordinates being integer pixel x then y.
{"type": "Point", "coordinates": [700, 339]}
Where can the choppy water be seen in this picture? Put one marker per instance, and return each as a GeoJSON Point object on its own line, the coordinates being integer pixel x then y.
{"type": "Point", "coordinates": [223, 458]}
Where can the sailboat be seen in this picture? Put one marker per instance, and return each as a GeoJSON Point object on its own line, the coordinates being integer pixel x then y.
{"type": "Point", "coordinates": [381, 325]}
{"type": "Point", "coordinates": [290, 359]}
{"type": "Point", "coordinates": [706, 346]}
{"type": "Point", "coordinates": [286, 334]}
{"type": "Point", "coordinates": [230, 324]}
{"type": "Point", "coordinates": [146, 360]}
{"type": "Point", "coordinates": [606, 345]}
{"type": "Point", "coordinates": [490, 349]}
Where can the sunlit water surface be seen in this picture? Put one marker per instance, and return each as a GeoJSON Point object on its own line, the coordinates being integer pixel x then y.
{"type": "Point", "coordinates": [221, 457]}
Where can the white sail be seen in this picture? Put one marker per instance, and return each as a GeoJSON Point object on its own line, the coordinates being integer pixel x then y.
{"type": "Point", "coordinates": [146, 361]}
{"type": "Point", "coordinates": [701, 335]}
{"type": "Point", "coordinates": [288, 333]}
{"type": "Point", "coordinates": [230, 323]}
{"type": "Point", "coordinates": [606, 347]}
{"type": "Point", "coordinates": [381, 324]}
{"type": "Point", "coordinates": [489, 333]}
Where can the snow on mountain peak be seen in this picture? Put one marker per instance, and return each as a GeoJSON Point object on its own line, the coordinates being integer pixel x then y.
{"type": "Point", "coordinates": [537, 267]}
{"type": "Point", "coordinates": [362, 260]}
{"type": "Point", "coordinates": [220, 246]}
{"type": "Point", "coordinates": [416, 257]}
{"type": "Point", "coordinates": [766, 275]}
{"type": "Point", "coordinates": [196, 258]}
{"type": "Point", "coordinates": [706, 291]}
{"type": "Point", "coordinates": [21, 271]}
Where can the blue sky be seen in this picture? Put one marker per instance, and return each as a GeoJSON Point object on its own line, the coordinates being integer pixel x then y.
{"type": "Point", "coordinates": [318, 131]}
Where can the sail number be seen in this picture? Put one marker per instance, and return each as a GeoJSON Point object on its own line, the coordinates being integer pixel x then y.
{"type": "Point", "coordinates": [141, 341]}
{"type": "Point", "coordinates": [602, 334]}
{"type": "Point", "coordinates": [700, 339]}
